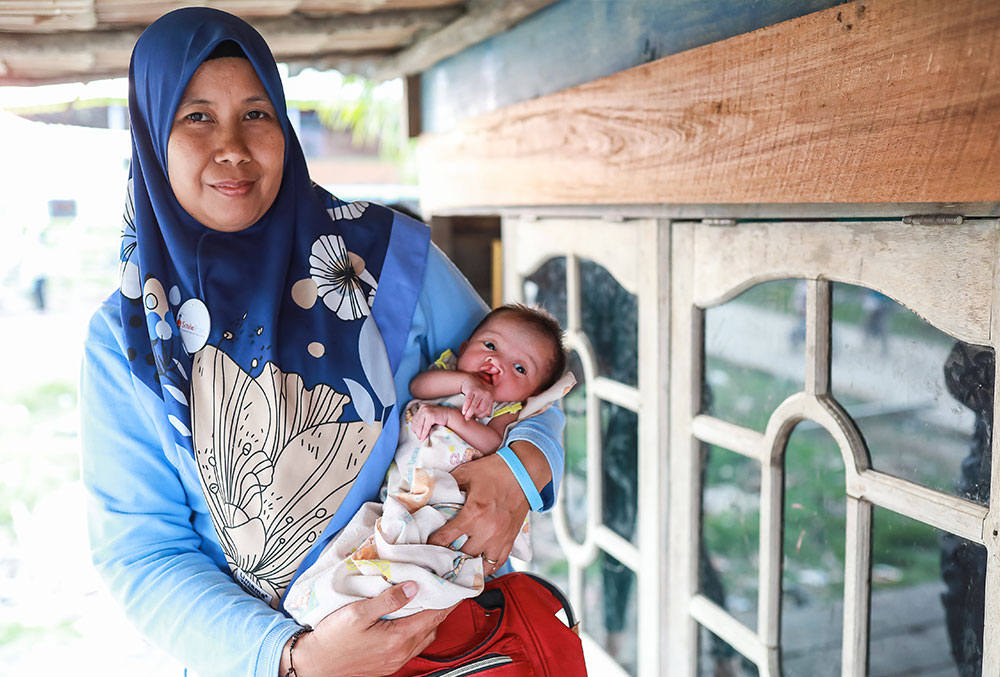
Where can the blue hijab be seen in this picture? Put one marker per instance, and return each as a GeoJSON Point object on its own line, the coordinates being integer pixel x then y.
{"type": "Point", "coordinates": [273, 348]}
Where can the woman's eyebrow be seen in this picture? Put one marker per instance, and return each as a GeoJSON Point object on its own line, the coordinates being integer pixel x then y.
{"type": "Point", "coordinates": [260, 98]}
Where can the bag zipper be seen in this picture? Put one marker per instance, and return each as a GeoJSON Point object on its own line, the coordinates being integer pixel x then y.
{"type": "Point", "coordinates": [480, 665]}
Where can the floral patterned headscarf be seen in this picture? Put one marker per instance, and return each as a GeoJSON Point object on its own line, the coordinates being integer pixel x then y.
{"type": "Point", "coordinates": [272, 348]}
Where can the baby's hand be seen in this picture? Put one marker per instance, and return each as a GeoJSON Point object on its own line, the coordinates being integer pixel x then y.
{"type": "Point", "coordinates": [427, 416]}
{"type": "Point", "coordinates": [478, 398]}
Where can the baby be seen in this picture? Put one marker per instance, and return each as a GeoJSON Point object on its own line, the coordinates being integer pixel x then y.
{"type": "Point", "coordinates": [511, 367]}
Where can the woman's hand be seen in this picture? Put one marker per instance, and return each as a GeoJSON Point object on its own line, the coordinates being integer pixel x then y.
{"type": "Point", "coordinates": [354, 641]}
{"type": "Point", "coordinates": [495, 505]}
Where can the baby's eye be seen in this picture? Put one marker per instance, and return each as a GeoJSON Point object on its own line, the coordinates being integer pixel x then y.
{"type": "Point", "coordinates": [489, 345]}
{"type": "Point", "coordinates": [197, 117]}
{"type": "Point", "coordinates": [519, 369]}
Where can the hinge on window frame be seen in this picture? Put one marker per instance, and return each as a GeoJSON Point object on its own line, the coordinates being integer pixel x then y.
{"type": "Point", "coordinates": [934, 220]}
{"type": "Point", "coordinates": [723, 223]}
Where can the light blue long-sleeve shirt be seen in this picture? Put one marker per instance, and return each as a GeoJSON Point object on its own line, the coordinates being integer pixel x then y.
{"type": "Point", "coordinates": [151, 534]}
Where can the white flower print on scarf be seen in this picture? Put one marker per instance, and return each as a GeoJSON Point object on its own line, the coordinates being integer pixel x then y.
{"type": "Point", "coordinates": [339, 275]}
{"type": "Point", "coordinates": [131, 286]}
{"type": "Point", "coordinates": [347, 211]}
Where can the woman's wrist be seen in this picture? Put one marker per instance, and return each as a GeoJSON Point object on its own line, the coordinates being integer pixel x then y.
{"type": "Point", "coordinates": [530, 468]}
{"type": "Point", "coordinates": [294, 654]}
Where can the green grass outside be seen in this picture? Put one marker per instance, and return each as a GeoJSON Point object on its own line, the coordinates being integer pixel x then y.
{"type": "Point", "coordinates": [814, 503]}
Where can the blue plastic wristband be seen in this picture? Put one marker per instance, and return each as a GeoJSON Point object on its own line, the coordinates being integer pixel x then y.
{"type": "Point", "coordinates": [522, 477]}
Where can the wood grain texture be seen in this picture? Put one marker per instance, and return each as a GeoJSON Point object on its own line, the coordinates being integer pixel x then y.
{"type": "Point", "coordinates": [876, 101]}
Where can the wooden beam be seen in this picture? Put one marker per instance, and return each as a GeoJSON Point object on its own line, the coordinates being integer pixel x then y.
{"type": "Point", "coordinates": [413, 99]}
{"type": "Point", "coordinates": [869, 102]}
{"type": "Point", "coordinates": [484, 19]}
{"type": "Point", "coordinates": [329, 28]}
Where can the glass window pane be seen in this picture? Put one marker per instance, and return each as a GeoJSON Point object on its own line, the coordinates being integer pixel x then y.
{"type": "Point", "coordinates": [922, 401]}
{"type": "Point", "coordinates": [546, 287]}
{"type": "Point", "coordinates": [927, 606]}
{"type": "Point", "coordinates": [620, 479]}
{"type": "Point", "coordinates": [812, 578]}
{"type": "Point", "coordinates": [729, 560]}
{"type": "Point", "coordinates": [609, 318]}
{"type": "Point", "coordinates": [610, 614]}
{"type": "Point", "coordinates": [717, 659]}
{"type": "Point", "coordinates": [754, 354]}
{"type": "Point", "coordinates": [574, 485]}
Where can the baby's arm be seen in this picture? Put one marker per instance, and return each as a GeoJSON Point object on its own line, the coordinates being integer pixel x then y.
{"type": "Point", "coordinates": [434, 383]}
{"type": "Point", "coordinates": [484, 437]}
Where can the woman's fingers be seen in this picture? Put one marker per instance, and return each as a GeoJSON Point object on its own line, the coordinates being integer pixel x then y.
{"type": "Point", "coordinates": [395, 598]}
{"type": "Point", "coordinates": [494, 510]}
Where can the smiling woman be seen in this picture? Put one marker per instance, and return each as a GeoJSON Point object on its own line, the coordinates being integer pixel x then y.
{"type": "Point", "coordinates": [231, 425]}
{"type": "Point", "coordinates": [226, 148]}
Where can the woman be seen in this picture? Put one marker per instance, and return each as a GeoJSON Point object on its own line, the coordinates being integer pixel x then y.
{"type": "Point", "coordinates": [239, 392]}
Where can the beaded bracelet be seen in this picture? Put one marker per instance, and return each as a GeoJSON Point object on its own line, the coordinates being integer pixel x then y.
{"type": "Point", "coordinates": [522, 477]}
{"type": "Point", "coordinates": [291, 647]}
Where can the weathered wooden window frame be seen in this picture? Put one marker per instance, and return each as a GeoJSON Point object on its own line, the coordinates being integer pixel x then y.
{"type": "Point", "coordinates": [678, 269]}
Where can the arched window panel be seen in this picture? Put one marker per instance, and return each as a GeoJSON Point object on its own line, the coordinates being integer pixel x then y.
{"type": "Point", "coordinates": [729, 556]}
{"type": "Point", "coordinates": [922, 399]}
{"type": "Point", "coordinates": [927, 598]}
{"type": "Point", "coordinates": [813, 564]}
{"type": "Point", "coordinates": [754, 352]}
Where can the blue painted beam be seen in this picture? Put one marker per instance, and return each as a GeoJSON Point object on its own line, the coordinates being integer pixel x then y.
{"type": "Point", "coordinates": [575, 41]}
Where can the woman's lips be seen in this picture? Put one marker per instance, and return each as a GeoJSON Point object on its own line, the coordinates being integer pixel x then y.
{"type": "Point", "coordinates": [233, 188]}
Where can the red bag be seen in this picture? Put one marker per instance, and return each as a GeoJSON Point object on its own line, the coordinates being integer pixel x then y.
{"type": "Point", "coordinates": [509, 630]}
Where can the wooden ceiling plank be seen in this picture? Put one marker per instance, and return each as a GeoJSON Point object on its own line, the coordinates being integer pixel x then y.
{"type": "Point", "coordinates": [296, 27]}
{"type": "Point", "coordinates": [484, 19]}
{"type": "Point", "coordinates": [322, 7]}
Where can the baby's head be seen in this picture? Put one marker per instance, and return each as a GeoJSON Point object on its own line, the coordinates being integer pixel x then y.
{"type": "Point", "coordinates": [517, 350]}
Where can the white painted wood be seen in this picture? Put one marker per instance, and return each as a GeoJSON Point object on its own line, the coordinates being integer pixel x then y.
{"type": "Point", "coordinates": [771, 530]}
{"type": "Point", "coordinates": [599, 663]}
{"type": "Point", "coordinates": [622, 550]}
{"type": "Point", "coordinates": [953, 292]}
{"type": "Point", "coordinates": [527, 244]}
{"type": "Point", "coordinates": [618, 393]}
{"type": "Point", "coordinates": [692, 266]}
{"type": "Point", "coordinates": [614, 244]}
{"type": "Point", "coordinates": [857, 588]}
{"type": "Point", "coordinates": [744, 441]}
{"type": "Point", "coordinates": [817, 344]}
{"type": "Point", "coordinates": [991, 525]}
{"type": "Point", "coordinates": [718, 620]}
{"type": "Point", "coordinates": [960, 517]}
{"type": "Point", "coordinates": [654, 353]}
{"type": "Point", "coordinates": [580, 554]}
{"type": "Point", "coordinates": [686, 328]}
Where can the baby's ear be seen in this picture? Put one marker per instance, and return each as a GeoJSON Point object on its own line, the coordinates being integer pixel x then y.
{"type": "Point", "coordinates": [461, 348]}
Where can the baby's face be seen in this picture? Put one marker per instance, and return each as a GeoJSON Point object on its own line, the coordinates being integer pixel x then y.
{"type": "Point", "coordinates": [509, 355]}
{"type": "Point", "coordinates": [225, 154]}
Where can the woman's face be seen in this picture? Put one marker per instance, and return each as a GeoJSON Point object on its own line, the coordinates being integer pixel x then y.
{"type": "Point", "coordinates": [226, 151]}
